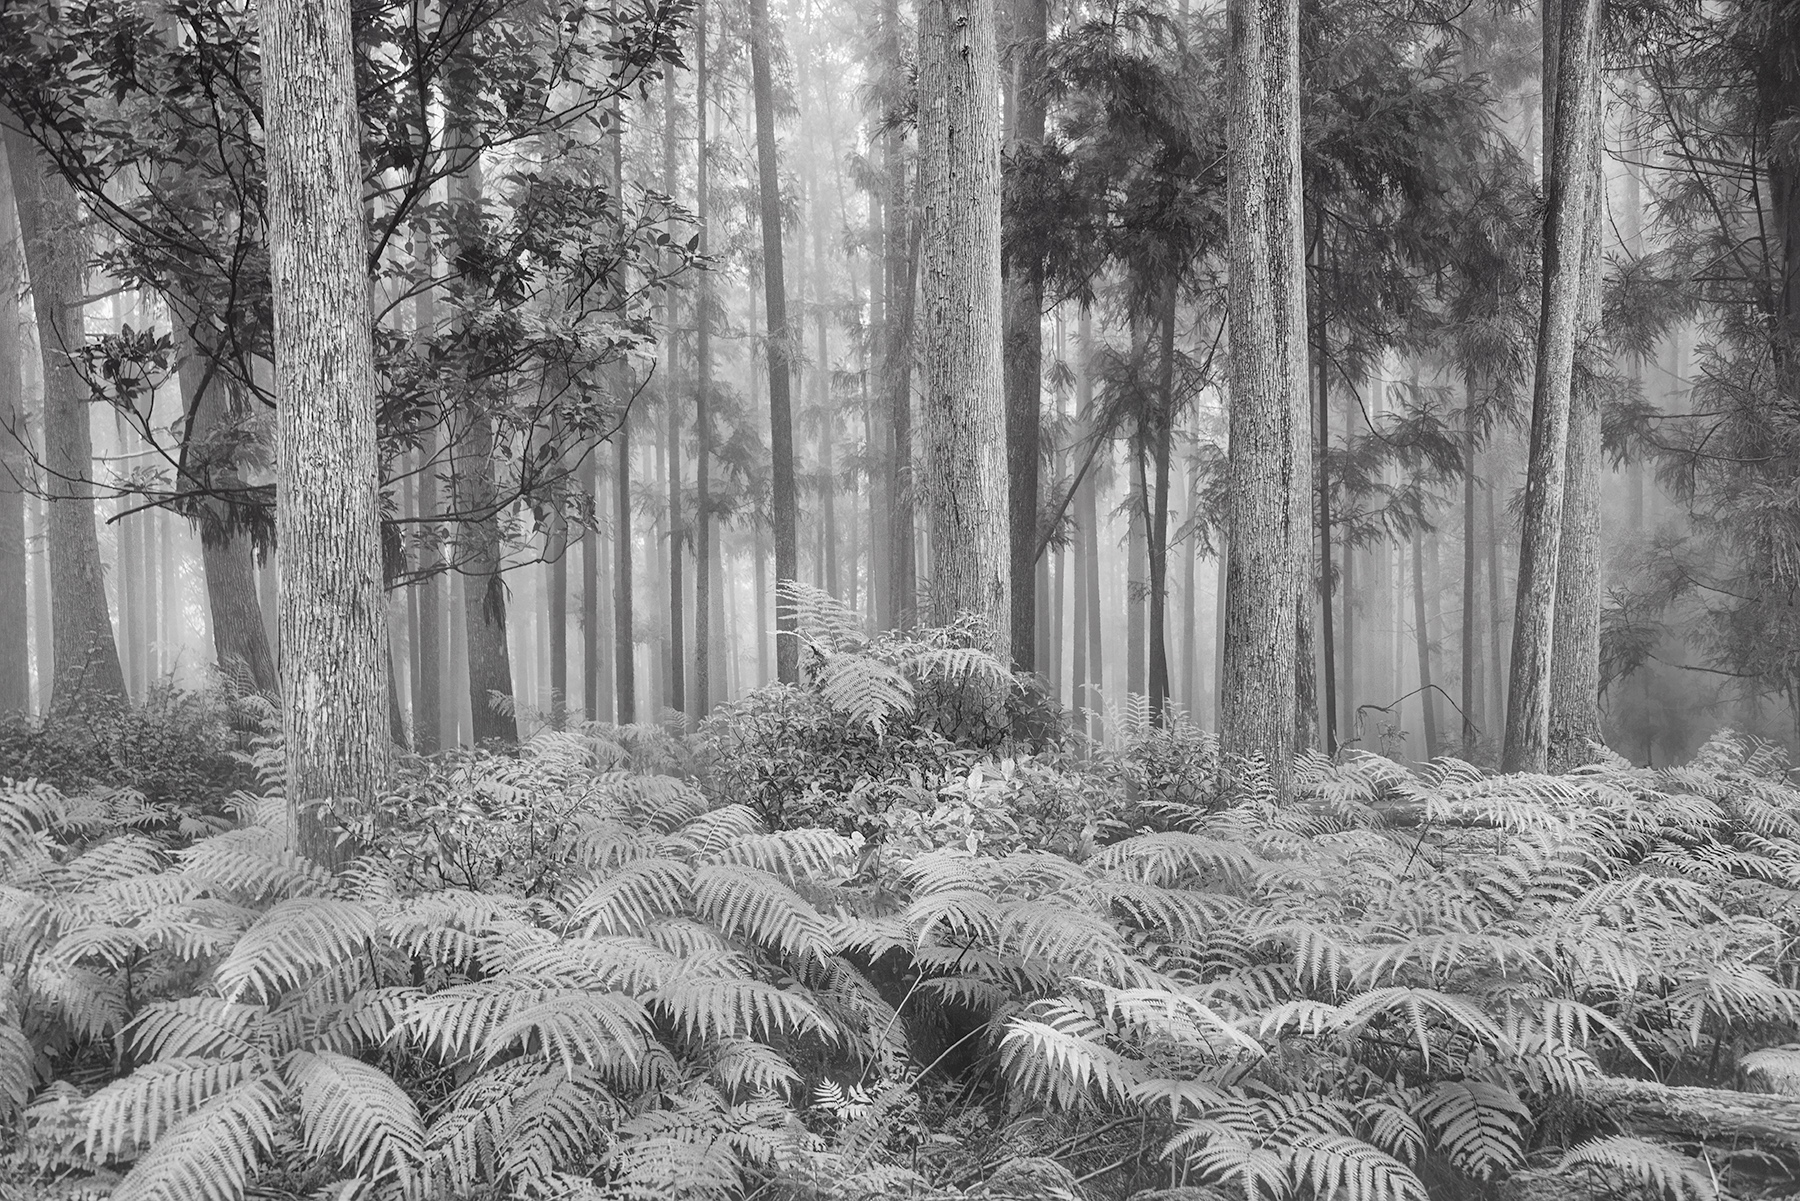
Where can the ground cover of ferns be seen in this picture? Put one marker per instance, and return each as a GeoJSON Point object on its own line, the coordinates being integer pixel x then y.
{"type": "Point", "coordinates": [852, 940]}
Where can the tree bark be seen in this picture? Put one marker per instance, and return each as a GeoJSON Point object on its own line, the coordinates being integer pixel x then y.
{"type": "Point", "coordinates": [1162, 435]}
{"type": "Point", "coordinates": [783, 499]}
{"type": "Point", "coordinates": [959, 152]}
{"type": "Point", "coordinates": [1024, 343]}
{"type": "Point", "coordinates": [1576, 109]}
{"type": "Point", "coordinates": [16, 475]}
{"type": "Point", "coordinates": [1661, 1110]}
{"type": "Point", "coordinates": [1322, 429]}
{"type": "Point", "coordinates": [676, 697]}
{"type": "Point", "coordinates": [1470, 605]}
{"type": "Point", "coordinates": [333, 608]}
{"type": "Point", "coordinates": [901, 283]}
{"type": "Point", "coordinates": [1270, 435]}
{"type": "Point", "coordinates": [86, 658]}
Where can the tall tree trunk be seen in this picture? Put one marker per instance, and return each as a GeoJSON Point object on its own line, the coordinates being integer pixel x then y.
{"type": "Point", "coordinates": [780, 345]}
{"type": "Point", "coordinates": [479, 551]}
{"type": "Point", "coordinates": [86, 658]}
{"type": "Point", "coordinates": [1024, 340]}
{"type": "Point", "coordinates": [1470, 605]}
{"type": "Point", "coordinates": [624, 639]}
{"type": "Point", "coordinates": [762, 610]}
{"type": "Point", "coordinates": [1137, 586]}
{"type": "Point", "coordinates": [15, 468]}
{"type": "Point", "coordinates": [901, 282]}
{"type": "Point", "coordinates": [1270, 433]}
{"type": "Point", "coordinates": [1575, 664]}
{"type": "Point", "coordinates": [676, 696]}
{"type": "Point", "coordinates": [822, 397]}
{"type": "Point", "coordinates": [704, 551]}
{"type": "Point", "coordinates": [1568, 178]}
{"type": "Point", "coordinates": [333, 610]}
{"type": "Point", "coordinates": [1496, 659]}
{"type": "Point", "coordinates": [1328, 635]}
{"type": "Point", "coordinates": [1080, 693]}
{"type": "Point", "coordinates": [1162, 432]}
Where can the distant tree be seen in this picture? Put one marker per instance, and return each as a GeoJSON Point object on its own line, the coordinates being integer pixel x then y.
{"type": "Point", "coordinates": [964, 408]}
{"type": "Point", "coordinates": [17, 478]}
{"type": "Point", "coordinates": [57, 249]}
{"type": "Point", "coordinates": [333, 610]}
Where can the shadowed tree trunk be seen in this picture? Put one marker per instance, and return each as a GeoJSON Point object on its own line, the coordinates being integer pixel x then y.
{"type": "Point", "coordinates": [1162, 436]}
{"type": "Point", "coordinates": [1024, 353]}
{"type": "Point", "coordinates": [1567, 180]}
{"type": "Point", "coordinates": [86, 658]}
{"type": "Point", "coordinates": [901, 282]}
{"type": "Point", "coordinates": [15, 468]}
{"type": "Point", "coordinates": [780, 345]}
{"type": "Point", "coordinates": [1267, 512]}
{"type": "Point", "coordinates": [333, 610]}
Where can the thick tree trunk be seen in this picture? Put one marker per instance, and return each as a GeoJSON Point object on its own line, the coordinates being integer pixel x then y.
{"type": "Point", "coordinates": [333, 609]}
{"type": "Point", "coordinates": [703, 530]}
{"type": "Point", "coordinates": [1709, 1114]}
{"type": "Point", "coordinates": [1270, 435]}
{"type": "Point", "coordinates": [901, 282]}
{"type": "Point", "coordinates": [86, 657]}
{"type": "Point", "coordinates": [1024, 343]}
{"type": "Point", "coordinates": [1568, 178]}
{"type": "Point", "coordinates": [16, 473]}
{"type": "Point", "coordinates": [783, 499]}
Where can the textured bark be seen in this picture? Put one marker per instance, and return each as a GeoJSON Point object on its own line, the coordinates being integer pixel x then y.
{"type": "Point", "coordinates": [333, 610]}
{"type": "Point", "coordinates": [1137, 584]}
{"type": "Point", "coordinates": [624, 637]}
{"type": "Point", "coordinates": [703, 534]}
{"type": "Point", "coordinates": [16, 474]}
{"type": "Point", "coordinates": [964, 411]}
{"type": "Point", "coordinates": [1024, 343]}
{"type": "Point", "coordinates": [1269, 431]}
{"type": "Point", "coordinates": [1567, 180]}
{"type": "Point", "coordinates": [86, 657]}
{"type": "Point", "coordinates": [1660, 1110]}
{"type": "Point", "coordinates": [1322, 437]}
{"type": "Point", "coordinates": [1575, 667]}
{"type": "Point", "coordinates": [779, 345]}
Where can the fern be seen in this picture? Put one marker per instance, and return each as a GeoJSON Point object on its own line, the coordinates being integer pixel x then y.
{"type": "Point", "coordinates": [210, 1154]}
{"type": "Point", "coordinates": [356, 1116]}
{"type": "Point", "coordinates": [1648, 1165]}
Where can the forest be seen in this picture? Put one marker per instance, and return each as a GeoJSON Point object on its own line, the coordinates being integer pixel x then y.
{"type": "Point", "coordinates": [822, 600]}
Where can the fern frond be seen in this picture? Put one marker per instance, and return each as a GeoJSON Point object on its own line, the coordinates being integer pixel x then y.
{"type": "Point", "coordinates": [1335, 1165]}
{"type": "Point", "coordinates": [18, 1068]}
{"type": "Point", "coordinates": [807, 854]}
{"type": "Point", "coordinates": [865, 690]}
{"type": "Point", "coordinates": [723, 1007]}
{"type": "Point", "coordinates": [575, 1027]}
{"type": "Point", "coordinates": [293, 940]}
{"type": "Point", "coordinates": [1648, 1165]}
{"type": "Point", "coordinates": [253, 862]}
{"type": "Point", "coordinates": [210, 1154]}
{"type": "Point", "coordinates": [1480, 1126]}
{"type": "Point", "coordinates": [1063, 1060]}
{"type": "Point", "coordinates": [198, 1026]}
{"type": "Point", "coordinates": [137, 1110]}
{"type": "Point", "coordinates": [356, 1116]}
{"type": "Point", "coordinates": [628, 899]}
{"type": "Point", "coordinates": [753, 904]}
{"type": "Point", "coordinates": [1166, 857]}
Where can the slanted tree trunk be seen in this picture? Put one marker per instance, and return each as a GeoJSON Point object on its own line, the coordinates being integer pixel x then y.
{"type": "Point", "coordinates": [704, 551]}
{"type": "Point", "coordinates": [1567, 180]}
{"type": "Point", "coordinates": [86, 657]}
{"type": "Point", "coordinates": [1024, 342]}
{"type": "Point", "coordinates": [333, 608]}
{"type": "Point", "coordinates": [16, 473]}
{"type": "Point", "coordinates": [783, 499]}
{"type": "Point", "coordinates": [959, 152]}
{"type": "Point", "coordinates": [1270, 436]}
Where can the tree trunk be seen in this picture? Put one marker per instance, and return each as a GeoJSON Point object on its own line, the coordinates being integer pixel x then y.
{"type": "Point", "coordinates": [1024, 342]}
{"type": "Point", "coordinates": [1570, 174]}
{"type": "Point", "coordinates": [781, 421]}
{"type": "Point", "coordinates": [1137, 586]}
{"type": "Point", "coordinates": [86, 658]}
{"type": "Point", "coordinates": [901, 282]}
{"type": "Point", "coordinates": [1422, 643]}
{"type": "Point", "coordinates": [703, 531]}
{"type": "Point", "coordinates": [1713, 1114]}
{"type": "Point", "coordinates": [15, 468]}
{"type": "Point", "coordinates": [428, 684]}
{"type": "Point", "coordinates": [1162, 434]}
{"type": "Point", "coordinates": [676, 696]}
{"type": "Point", "coordinates": [624, 638]}
{"type": "Point", "coordinates": [1328, 635]}
{"type": "Point", "coordinates": [959, 152]}
{"type": "Point", "coordinates": [1575, 665]}
{"type": "Point", "coordinates": [1496, 662]}
{"type": "Point", "coordinates": [1470, 606]}
{"type": "Point", "coordinates": [333, 609]}
{"type": "Point", "coordinates": [1270, 434]}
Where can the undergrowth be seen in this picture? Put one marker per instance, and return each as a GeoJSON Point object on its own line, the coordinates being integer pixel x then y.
{"type": "Point", "coordinates": [940, 963]}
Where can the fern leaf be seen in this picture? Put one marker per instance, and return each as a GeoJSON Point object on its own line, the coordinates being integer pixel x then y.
{"type": "Point", "coordinates": [726, 1007]}
{"type": "Point", "coordinates": [1645, 1164]}
{"type": "Point", "coordinates": [137, 1110]}
{"type": "Point", "coordinates": [627, 900]}
{"type": "Point", "coordinates": [18, 1068]}
{"type": "Point", "coordinates": [1338, 1166]}
{"type": "Point", "coordinates": [755, 905]}
{"type": "Point", "coordinates": [1480, 1126]}
{"type": "Point", "coordinates": [210, 1154]}
{"type": "Point", "coordinates": [355, 1115]}
{"type": "Point", "coordinates": [292, 941]}
{"type": "Point", "coordinates": [576, 1027]}
{"type": "Point", "coordinates": [198, 1026]}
